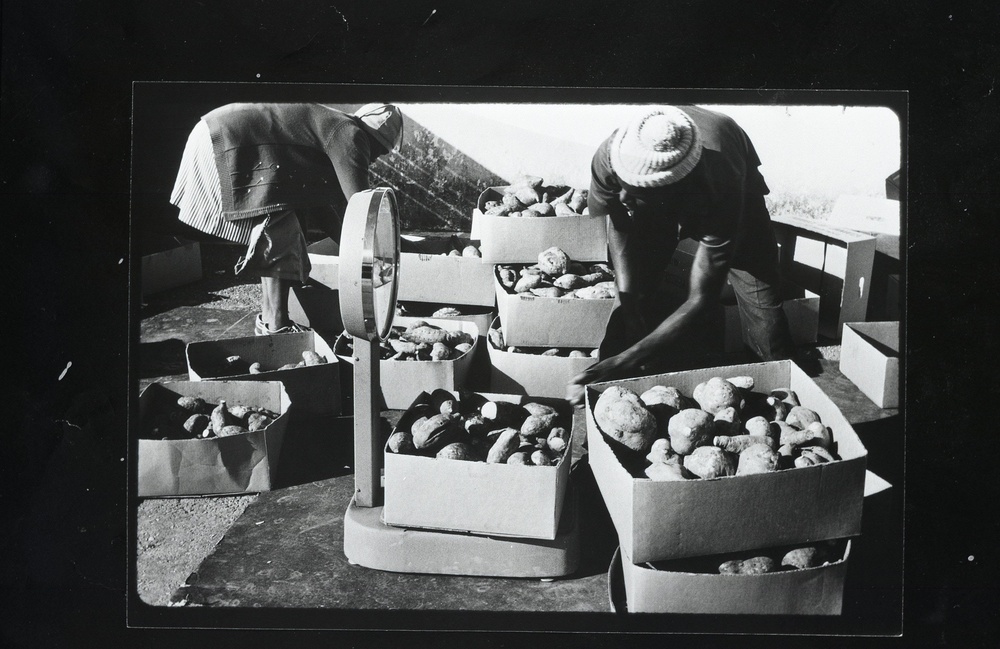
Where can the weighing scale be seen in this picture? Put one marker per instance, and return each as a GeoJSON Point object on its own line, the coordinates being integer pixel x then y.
{"type": "Point", "coordinates": [368, 278]}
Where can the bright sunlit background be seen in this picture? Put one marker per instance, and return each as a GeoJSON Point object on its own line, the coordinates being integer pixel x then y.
{"type": "Point", "coordinates": [810, 154]}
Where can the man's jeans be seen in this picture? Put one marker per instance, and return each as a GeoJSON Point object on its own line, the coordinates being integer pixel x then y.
{"type": "Point", "coordinates": [758, 296]}
{"type": "Point", "coordinates": [762, 316]}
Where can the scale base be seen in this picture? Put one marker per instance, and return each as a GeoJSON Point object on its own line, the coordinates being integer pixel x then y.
{"type": "Point", "coordinates": [371, 543]}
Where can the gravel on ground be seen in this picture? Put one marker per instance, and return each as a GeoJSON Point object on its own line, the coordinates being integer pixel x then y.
{"type": "Point", "coordinates": [175, 535]}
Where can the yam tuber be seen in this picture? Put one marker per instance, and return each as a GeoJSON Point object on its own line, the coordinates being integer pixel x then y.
{"type": "Point", "coordinates": [528, 282]}
{"type": "Point", "coordinates": [595, 293]}
{"type": "Point", "coordinates": [196, 424]}
{"type": "Point", "coordinates": [230, 430]}
{"type": "Point", "coordinates": [801, 558]}
{"type": "Point", "coordinates": [623, 417]}
{"type": "Point", "coordinates": [660, 451]}
{"type": "Point", "coordinates": [456, 451]}
{"type": "Point", "coordinates": [440, 352]}
{"type": "Point", "coordinates": [689, 429]}
{"type": "Point", "coordinates": [537, 425]}
{"type": "Point", "coordinates": [757, 458]}
{"type": "Point", "coordinates": [192, 404]}
{"type": "Point", "coordinates": [758, 426]}
{"type": "Point", "coordinates": [665, 472]}
{"type": "Point", "coordinates": [541, 458]}
{"type": "Point", "coordinates": [708, 462]}
{"type": "Point", "coordinates": [548, 291]}
{"type": "Point", "coordinates": [717, 393]}
{"type": "Point", "coordinates": [727, 422]}
{"type": "Point", "coordinates": [507, 442]}
{"type": "Point", "coordinates": [800, 417]}
{"type": "Point", "coordinates": [401, 442]}
{"type": "Point", "coordinates": [786, 395]}
{"type": "Point", "coordinates": [426, 334]}
{"type": "Point", "coordinates": [436, 431]}
{"type": "Point", "coordinates": [553, 261]}
{"type": "Point", "coordinates": [311, 358]}
{"type": "Point", "coordinates": [542, 209]}
{"type": "Point", "coordinates": [257, 421]}
{"type": "Point", "coordinates": [569, 282]}
{"type": "Point", "coordinates": [507, 277]}
{"type": "Point", "coordinates": [495, 337]}
{"type": "Point", "coordinates": [742, 382]}
{"type": "Point", "coordinates": [519, 457]}
{"type": "Point", "coordinates": [220, 417]}
{"type": "Point", "coordinates": [753, 566]}
{"type": "Point", "coordinates": [557, 439]}
{"type": "Point", "coordinates": [739, 443]}
{"type": "Point", "coordinates": [503, 414]}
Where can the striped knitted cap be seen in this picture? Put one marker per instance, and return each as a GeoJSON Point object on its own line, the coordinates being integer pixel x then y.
{"type": "Point", "coordinates": [657, 148]}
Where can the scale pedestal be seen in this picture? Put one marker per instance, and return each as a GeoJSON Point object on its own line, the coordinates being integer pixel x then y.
{"type": "Point", "coordinates": [369, 271]}
{"type": "Point", "coordinates": [371, 543]}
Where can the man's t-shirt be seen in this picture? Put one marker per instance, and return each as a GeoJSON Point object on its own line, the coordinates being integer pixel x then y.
{"type": "Point", "coordinates": [719, 203]}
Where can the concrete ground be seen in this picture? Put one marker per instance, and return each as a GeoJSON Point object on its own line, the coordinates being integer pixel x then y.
{"type": "Point", "coordinates": [175, 535]}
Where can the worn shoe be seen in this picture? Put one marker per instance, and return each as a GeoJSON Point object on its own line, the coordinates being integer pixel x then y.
{"type": "Point", "coordinates": [261, 329]}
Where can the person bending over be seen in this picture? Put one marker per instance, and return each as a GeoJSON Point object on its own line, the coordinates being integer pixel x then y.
{"type": "Point", "coordinates": [262, 174]}
{"type": "Point", "coordinates": [669, 174]}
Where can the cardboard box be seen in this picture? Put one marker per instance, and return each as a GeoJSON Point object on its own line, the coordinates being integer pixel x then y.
{"type": "Point", "coordinates": [317, 307]}
{"type": "Point", "coordinates": [833, 263]}
{"type": "Point", "coordinates": [531, 321]}
{"type": "Point", "coordinates": [314, 389]}
{"type": "Point", "coordinates": [175, 262]}
{"type": "Point", "coordinates": [479, 372]}
{"type": "Point", "coordinates": [652, 588]}
{"type": "Point", "coordinates": [481, 316]}
{"type": "Point", "coordinates": [324, 256]}
{"type": "Point", "coordinates": [428, 274]}
{"type": "Point", "coordinates": [403, 381]}
{"type": "Point", "coordinates": [866, 214]}
{"type": "Point", "coordinates": [869, 357]}
{"type": "Point", "coordinates": [317, 303]}
{"type": "Point", "coordinates": [668, 520]}
{"type": "Point", "coordinates": [532, 373]}
{"type": "Point", "coordinates": [213, 466]}
{"type": "Point", "coordinates": [519, 240]}
{"type": "Point", "coordinates": [476, 497]}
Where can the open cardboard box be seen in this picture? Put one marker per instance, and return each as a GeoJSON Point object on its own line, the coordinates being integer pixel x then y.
{"type": "Point", "coordinates": [532, 373]}
{"type": "Point", "coordinates": [669, 520]}
{"type": "Point", "coordinates": [476, 497]}
{"type": "Point", "coordinates": [519, 240]}
{"type": "Point", "coordinates": [403, 381]}
{"type": "Point", "coordinates": [172, 262]}
{"type": "Point", "coordinates": [665, 588]}
{"type": "Point", "coordinates": [867, 214]}
{"type": "Point", "coordinates": [869, 357]}
{"type": "Point", "coordinates": [427, 273]}
{"type": "Point", "coordinates": [694, 586]}
{"type": "Point", "coordinates": [216, 465]}
{"type": "Point", "coordinates": [532, 321]}
{"type": "Point", "coordinates": [832, 262]}
{"type": "Point", "coordinates": [481, 316]}
{"type": "Point", "coordinates": [314, 389]}
{"type": "Point", "coordinates": [316, 304]}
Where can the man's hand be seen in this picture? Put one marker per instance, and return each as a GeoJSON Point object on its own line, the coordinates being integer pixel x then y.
{"type": "Point", "coordinates": [615, 367]}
